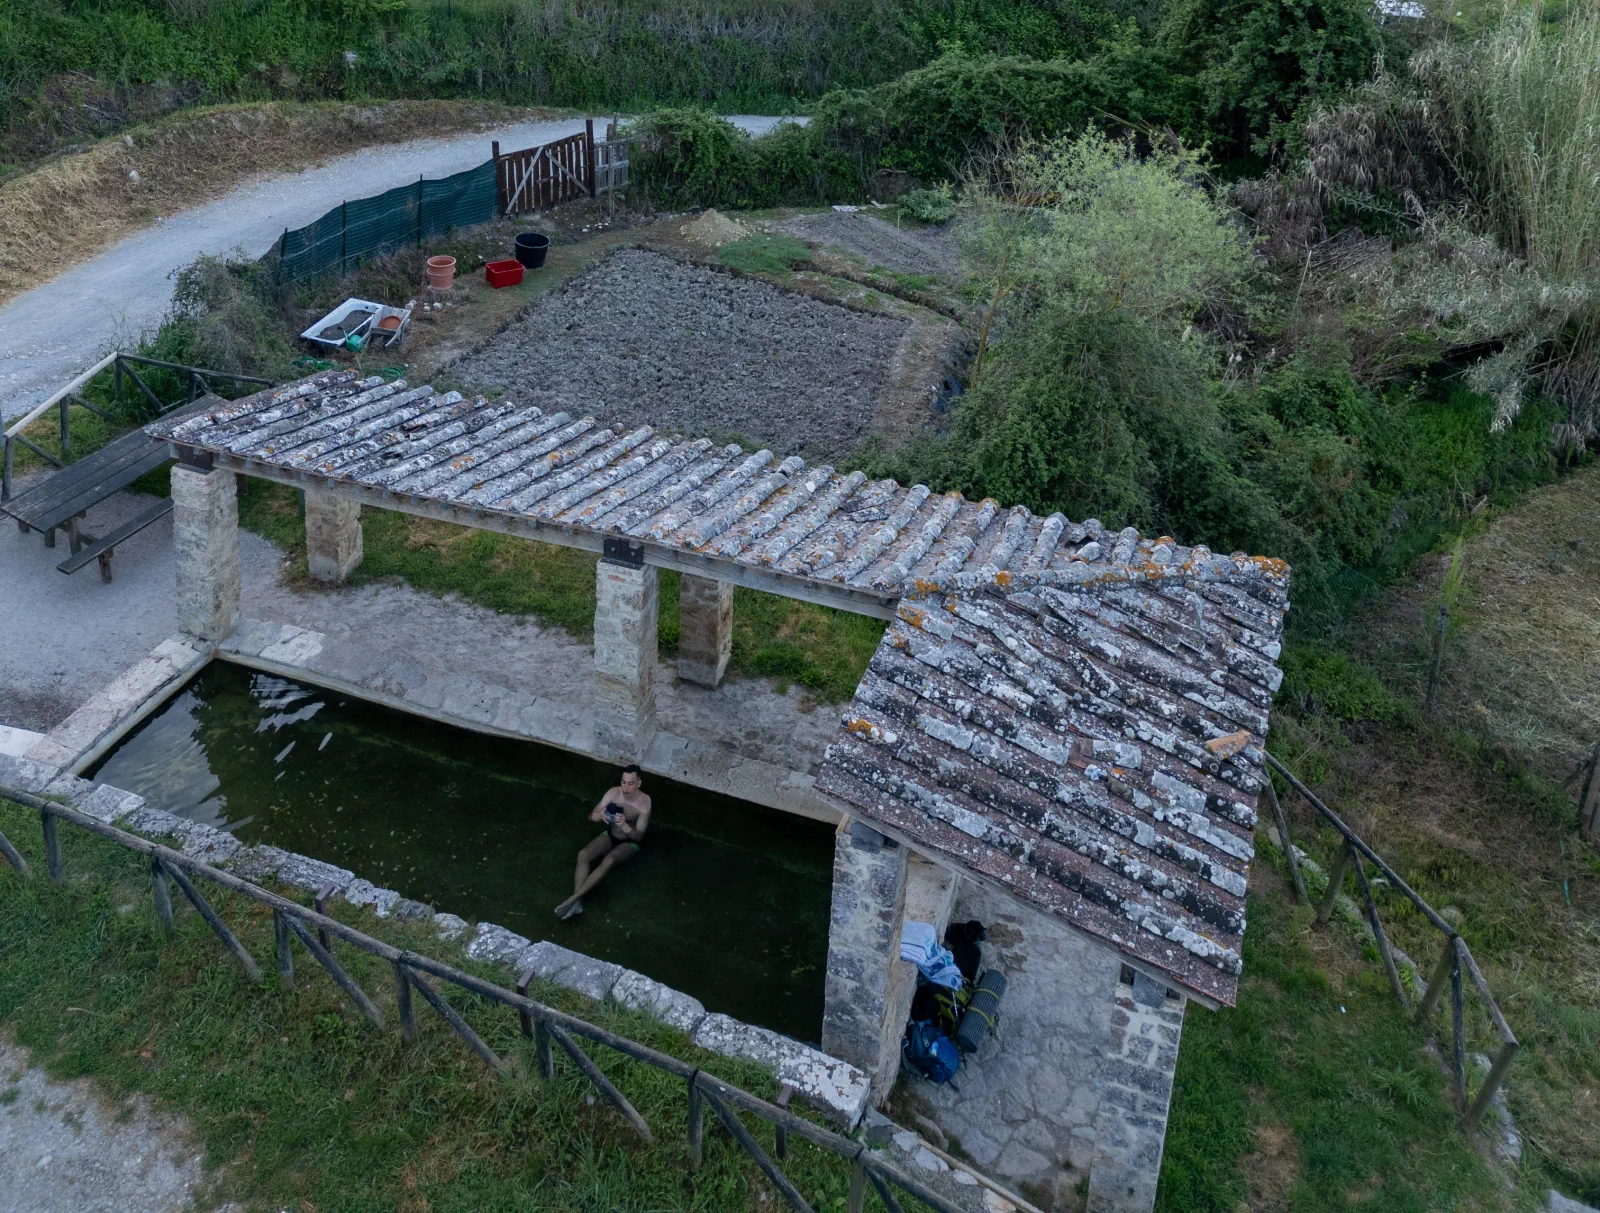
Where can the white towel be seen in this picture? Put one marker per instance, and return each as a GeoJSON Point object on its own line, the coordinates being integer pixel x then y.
{"type": "Point", "coordinates": [919, 944]}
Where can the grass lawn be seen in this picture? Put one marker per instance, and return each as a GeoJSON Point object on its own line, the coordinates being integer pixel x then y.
{"type": "Point", "coordinates": [299, 1103]}
{"type": "Point", "coordinates": [1315, 1094]}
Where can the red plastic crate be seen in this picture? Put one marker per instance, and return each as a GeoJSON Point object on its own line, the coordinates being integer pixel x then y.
{"type": "Point", "coordinates": [503, 273]}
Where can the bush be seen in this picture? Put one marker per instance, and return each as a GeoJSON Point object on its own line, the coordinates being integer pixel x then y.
{"type": "Point", "coordinates": [1249, 67]}
{"type": "Point", "coordinates": [692, 158]}
{"type": "Point", "coordinates": [930, 206]}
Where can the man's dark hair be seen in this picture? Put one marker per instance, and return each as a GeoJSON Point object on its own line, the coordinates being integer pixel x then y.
{"type": "Point", "coordinates": [633, 769]}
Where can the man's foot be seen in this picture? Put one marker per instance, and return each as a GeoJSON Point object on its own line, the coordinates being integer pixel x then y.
{"type": "Point", "coordinates": [569, 907]}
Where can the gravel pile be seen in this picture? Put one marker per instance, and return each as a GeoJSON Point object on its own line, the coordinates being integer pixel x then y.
{"type": "Point", "coordinates": [642, 339]}
{"type": "Point", "coordinates": [908, 249]}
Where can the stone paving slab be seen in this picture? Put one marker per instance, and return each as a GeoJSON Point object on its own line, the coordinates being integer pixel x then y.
{"type": "Point", "coordinates": [137, 691]}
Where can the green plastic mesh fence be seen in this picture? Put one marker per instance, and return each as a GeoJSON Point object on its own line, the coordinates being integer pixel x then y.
{"type": "Point", "coordinates": [408, 214]}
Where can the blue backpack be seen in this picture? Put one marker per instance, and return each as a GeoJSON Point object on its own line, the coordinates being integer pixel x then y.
{"type": "Point", "coordinates": [929, 1051]}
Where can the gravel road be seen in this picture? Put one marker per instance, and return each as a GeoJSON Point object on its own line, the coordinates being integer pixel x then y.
{"type": "Point", "coordinates": [644, 339]}
{"type": "Point", "coordinates": [63, 1149]}
{"type": "Point", "coordinates": [61, 327]}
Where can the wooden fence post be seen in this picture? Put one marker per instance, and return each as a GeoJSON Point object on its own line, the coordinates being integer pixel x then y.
{"type": "Point", "coordinates": [697, 1121]}
{"type": "Point", "coordinates": [1335, 880]}
{"type": "Point", "coordinates": [214, 921]}
{"type": "Point", "coordinates": [1458, 1013]}
{"type": "Point", "coordinates": [12, 856]}
{"type": "Point", "coordinates": [1589, 800]}
{"type": "Point", "coordinates": [342, 979]}
{"type": "Point", "coordinates": [1438, 659]}
{"type": "Point", "coordinates": [402, 1001]}
{"type": "Point", "coordinates": [1379, 937]}
{"type": "Point", "coordinates": [499, 188]}
{"type": "Point", "coordinates": [1288, 842]}
{"type": "Point", "coordinates": [1441, 973]}
{"type": "Point", "coordinates": [588, 154]}
{"type": "Point", "coordinates": [320, 903]}
{"type": "Point", "coordinates": [162, 895]}
{"type": "Point", "coordinates": [66, 428]}
{"type": "Point", "coordinates": [52, 847]}
{"type": "Point", "coordinates": [857, 1201]}
{"type": "Point", "coordinates": [280, 944]}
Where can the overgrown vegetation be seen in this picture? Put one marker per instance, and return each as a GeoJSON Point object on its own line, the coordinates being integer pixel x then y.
{"type": "Point", "coordinates": [298, 1102]}
{"type": "Point", "coordinates": [68, 72]}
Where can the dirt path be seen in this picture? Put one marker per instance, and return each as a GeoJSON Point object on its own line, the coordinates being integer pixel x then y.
{"type": "Point", "coordinates": [63, 1150]}
{"type": "Point", "coordinates": [61, 327]}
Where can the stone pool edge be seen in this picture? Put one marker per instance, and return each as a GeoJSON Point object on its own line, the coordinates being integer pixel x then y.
{"type": "Point", "coordinates": [833, 1087]}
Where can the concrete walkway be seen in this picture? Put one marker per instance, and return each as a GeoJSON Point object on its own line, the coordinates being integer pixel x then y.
{"type": "Point", "coordinates": [63, 326]}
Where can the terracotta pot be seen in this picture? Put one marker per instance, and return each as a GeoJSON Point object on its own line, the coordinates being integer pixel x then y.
{"type": "Point", "coordinates": [441, 273]}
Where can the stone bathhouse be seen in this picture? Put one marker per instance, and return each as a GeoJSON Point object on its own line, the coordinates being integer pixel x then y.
{"type": "Point", "coordinates": [1060, 734]}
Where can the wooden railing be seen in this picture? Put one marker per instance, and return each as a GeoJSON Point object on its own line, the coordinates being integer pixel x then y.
{"type": "Point", "coordinates": [197, 379]}
{"type": "Point", "coordinates": [544, 1025]}
{"type": "Point", "coordinates": [1455, 960]}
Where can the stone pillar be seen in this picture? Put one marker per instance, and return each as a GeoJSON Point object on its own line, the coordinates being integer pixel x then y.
{"type": "Point", "coordinates": [869, 892]}
{"type": "Point", "coordinates": [624, 660]}
{"type": "Point", "coordinates": [705, 629]}
{"type": "Point", "coordinates": [205, 536]}
{"type": "Point", "coordinates": [333, 535]}
{"type": "Point", "coordinates": [1135, 1090]}
{"type": "Point", "coordinates": [930, 895]}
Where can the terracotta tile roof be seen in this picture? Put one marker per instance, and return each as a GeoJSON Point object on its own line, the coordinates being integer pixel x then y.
{"type": "Point", "coordinates": [1051, 738]}
{"type": "Point", "coordinates": [684, 500]}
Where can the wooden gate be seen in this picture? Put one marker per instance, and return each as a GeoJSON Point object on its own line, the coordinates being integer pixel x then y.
{"type": "Point", "coordinates": [545, 176]}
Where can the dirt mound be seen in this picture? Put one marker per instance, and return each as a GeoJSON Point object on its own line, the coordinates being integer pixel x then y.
{"type": "Point", "coordinates": [713, 229]}
{"type": "Point", "coordinates": [643, 339]}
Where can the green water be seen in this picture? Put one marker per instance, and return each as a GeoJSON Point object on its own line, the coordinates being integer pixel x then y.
{"type": "Point", "coordinates": [727, 901]}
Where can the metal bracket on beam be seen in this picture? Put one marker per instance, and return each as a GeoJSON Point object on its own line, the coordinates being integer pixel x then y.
{"type": "Point", "coordinates": [624, 552]}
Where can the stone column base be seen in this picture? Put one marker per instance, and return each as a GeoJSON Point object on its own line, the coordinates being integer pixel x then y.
{"type": "Point", "coordinates": [705, 629]}
{"type": "Point", "coordinates": [333, 535]}
{"type": "Point", "coordinates": [624, 660]}
{"type": "Point", "coordinates": [205, 539]}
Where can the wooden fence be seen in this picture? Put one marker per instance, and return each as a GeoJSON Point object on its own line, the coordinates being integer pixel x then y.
{"type": "Point", "coordinates": [121, 366]}
{"type": "Point", "coordinates": [547, 175]}
{"type": "Point", "coordinates": [544, 1025]}
{"type": "Point", "coordinates": [1455, 960]}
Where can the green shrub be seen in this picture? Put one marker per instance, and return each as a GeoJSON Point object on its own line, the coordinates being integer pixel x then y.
{"type": "Point", "coordinates": [937, 205]}
{"type": "Point", "coordinates": [691, 157]}
{"type": "Point", "coordinates": [1248, 67]}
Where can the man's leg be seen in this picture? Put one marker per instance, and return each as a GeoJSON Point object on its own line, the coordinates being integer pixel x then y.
{"type": "Point", "coordinates": [620, 853]}
{"type": "Point", "coordinates": [586, 857]}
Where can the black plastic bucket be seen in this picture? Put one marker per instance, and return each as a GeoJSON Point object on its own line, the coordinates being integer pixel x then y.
{"type": "Point", "coordinates": [531, 248]}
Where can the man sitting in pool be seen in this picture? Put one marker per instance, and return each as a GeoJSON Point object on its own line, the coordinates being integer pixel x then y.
{"type": "Point", "coordinates": [625, 812]}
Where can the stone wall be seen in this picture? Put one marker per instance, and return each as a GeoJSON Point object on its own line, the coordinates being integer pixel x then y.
{"type": "Point", "coordinates": [1135, 1091]}
{"type": "Point", "coordinates": [869, 888]}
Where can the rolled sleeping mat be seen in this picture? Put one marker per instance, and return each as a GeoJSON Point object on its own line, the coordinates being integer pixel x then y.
{"type": "Point", "coordinates": [983, 1012]}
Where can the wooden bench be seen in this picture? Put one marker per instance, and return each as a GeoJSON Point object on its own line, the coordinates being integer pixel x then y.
{"type": "Point", "coordinates": [60, 501]}
{"type": "Point", "coordinates": [103, 549]}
